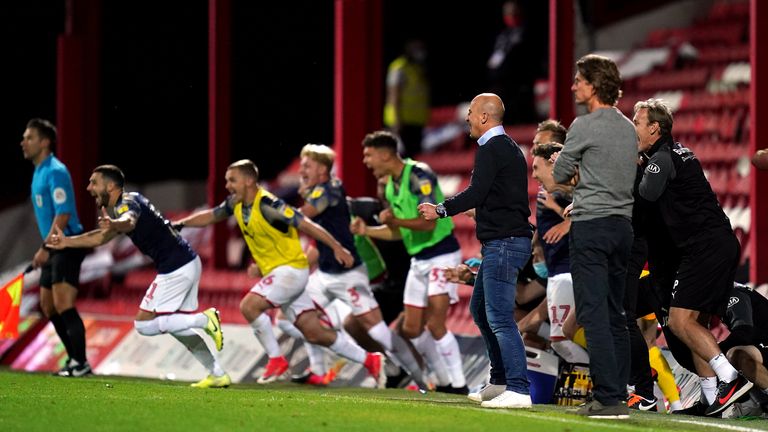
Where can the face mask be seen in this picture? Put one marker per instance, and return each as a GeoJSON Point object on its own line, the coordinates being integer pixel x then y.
{"type": "Point", "coordinates": [510, 20]}
{"type": "Point", "coordinates": [541, 269]}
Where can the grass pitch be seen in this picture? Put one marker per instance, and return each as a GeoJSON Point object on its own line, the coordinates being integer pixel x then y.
{"type": "Point", "coordinates": [32, 402]}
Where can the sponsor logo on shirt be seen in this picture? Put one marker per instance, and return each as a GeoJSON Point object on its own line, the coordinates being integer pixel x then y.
{"type": "Point", "coordinates": [122, 209]}
{"type": "Point", "coordinates": [59, 196]}
{"type": "Point", "coordinates": [732, 301]}
{"type": "Point", "coordinates": [653, 168]}
{"type": "Point", "coordinates": [317, 193]}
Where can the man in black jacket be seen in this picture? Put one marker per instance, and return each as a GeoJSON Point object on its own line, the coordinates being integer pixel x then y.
{"type": "Point", "coordinates": [700, 230]}
{"type": "Point", "coordinates": [498, 191]}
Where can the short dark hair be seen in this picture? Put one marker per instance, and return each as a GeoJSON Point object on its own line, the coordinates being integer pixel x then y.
{"type": "Point", "coordinates": [659, 112]}
{"type": "Point", "coordinates": [557, 130]}
{"type": "Point", "coordinates": [381, 139]}
{"type": "Point", "coordinates": [45, 129]}
{"type": "Point", "coordinates": [246, 167]}
{"type": "Point", "coordinates": [111, 173]}
{"type": "Point", "coordinates": [604, 76]}
{"type": "Point", "coordinates": [546, 150]}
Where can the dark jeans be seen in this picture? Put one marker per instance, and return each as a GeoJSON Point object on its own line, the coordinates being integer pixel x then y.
{"type": "Point", "coordinates": [493, 308]}
{"type": "Point", "coordinates": [599, 253]}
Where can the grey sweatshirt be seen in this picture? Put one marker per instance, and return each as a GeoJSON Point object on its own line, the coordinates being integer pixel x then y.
{"type": "Point", "coordinates": [603, 144]}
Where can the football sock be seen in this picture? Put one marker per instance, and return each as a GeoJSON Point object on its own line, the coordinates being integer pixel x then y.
{"type": "Point", "coordinates": [708, 388]}
{"type": "Point", "coordinates": [665, 376]}
{"type": "Point", "coordinates": [448, 347]}
{"type": "Point", "coordinates": [198, 348]}
{"type": "Point", "coordinates": [76, 332]}
{"type": "Point", "coordinates": [725, 372]}
{"type": "Point", "coordinates": [425, 344]}
{"type": "Point", "coordinates": [61, 330]}
{"type": "Point", "coordinates": [262, 328]}
{"type": "Point", "coordinates": [347, 348]}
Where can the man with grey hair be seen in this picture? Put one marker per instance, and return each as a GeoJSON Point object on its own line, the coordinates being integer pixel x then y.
{"type": "Point", "coordinates": [603, 145]}
{"type": "Point", "coordinates": [709, 251]}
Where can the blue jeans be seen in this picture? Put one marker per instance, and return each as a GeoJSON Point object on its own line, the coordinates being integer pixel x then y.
{"type": "Point", "coordinates": [493, 309]}
{"type": "Point", "coordinates": [600, 250]}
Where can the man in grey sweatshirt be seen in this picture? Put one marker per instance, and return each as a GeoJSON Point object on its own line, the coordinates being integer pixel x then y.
{"type": "Point", "coordinates": [602, 146]}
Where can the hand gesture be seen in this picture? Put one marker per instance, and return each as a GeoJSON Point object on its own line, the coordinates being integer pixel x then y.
{"type": "Point", "coordinates": [358, 226]}
{"type": "Point", "coordinates": [557, 232]}
{"type": "Point", "coordinates": [40, 258]}
{"type": "Point", "coordinates": [459, 274]}
{"type": "Point", "coordinates": [386, 216]}
{"type": "Point", "coordinates": [343, 256]}
{"type": "Point", "coordinates": [57, 239]}
{"type": "Point", "coordinates": [105, 222]}
{"type": "Point", "coordinates": [427, 211]}
{"type": "Point", "coordinates": [547, 200]}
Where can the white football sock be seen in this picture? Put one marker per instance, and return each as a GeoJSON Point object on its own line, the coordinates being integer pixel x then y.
{"type": "Point", "coordinates": [198, 348]}
{"type": "Point", "coordinates": [708, 388]}
{"type": "Point", "coordinates": [381, 334]}
{"type": "Point", "coordinates": [425, 344]}
{"type": "Point", "coordinates": [288, 328]}
{"type": "Point", "coordinates": [262, 328]}
{"type": "Point", "coordinates": [724, 370]}
{"type": "Point", "coordinates": [347, 348]}
{"type": "Point", "coordinates": [449, 349]}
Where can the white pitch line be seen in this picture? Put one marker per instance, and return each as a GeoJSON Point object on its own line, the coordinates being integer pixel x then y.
{"type": "Point", "coordinates": [612, 425]}
{"type": "Point", "coordinates": [609, 425]}
{"type": "Point", "coordinates": [718, 425]}
{"type": "Point", "coordinates": [522, 413]}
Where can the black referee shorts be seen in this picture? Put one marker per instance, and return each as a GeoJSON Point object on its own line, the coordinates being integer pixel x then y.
{"type": "Point", "coordinates": [62, 266]}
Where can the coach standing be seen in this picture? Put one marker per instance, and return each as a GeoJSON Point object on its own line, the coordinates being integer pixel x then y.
{"type": "Point", "coordinates": [499, 193]}
{"type": "Point", "coordinates": [603, 145]}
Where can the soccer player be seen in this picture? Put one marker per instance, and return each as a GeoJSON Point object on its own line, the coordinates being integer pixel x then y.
{"type": "Point", "coordinates": [560, 301]}
{"type": "Point", "coordinates": [270, 228]}
{"type": "Point", "coordinates": [170, 302]}
{"type": "Point", "coordinates": [432, 247]}
{"type": "Point", "coordinates": [53, 199]}
{"type": "Point", "coordinates": [326, 203]}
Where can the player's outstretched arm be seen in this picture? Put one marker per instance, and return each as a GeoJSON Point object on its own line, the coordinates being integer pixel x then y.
{"type": "Point", "coordinates": [201, 218]}
{"type": "Point", "coordinates": [380, 232]}
{"type": "Point", "coordinates": [90, 239]}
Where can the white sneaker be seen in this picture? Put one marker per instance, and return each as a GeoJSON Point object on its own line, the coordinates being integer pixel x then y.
{"type": "Point", "coordinates": [508, 399]}
{"type": "Point", "coordinates": [488, 392]}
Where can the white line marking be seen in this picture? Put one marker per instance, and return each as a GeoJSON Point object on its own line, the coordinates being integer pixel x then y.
{"type": "Point", "coordinates": [718, 425]}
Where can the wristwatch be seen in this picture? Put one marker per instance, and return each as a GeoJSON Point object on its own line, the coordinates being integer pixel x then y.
{"type": "Point", "coordinates": [440, 210]}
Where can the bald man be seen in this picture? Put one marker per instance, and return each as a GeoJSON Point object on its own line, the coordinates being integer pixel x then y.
{"type": "Point", "coordinates": [499, 193]}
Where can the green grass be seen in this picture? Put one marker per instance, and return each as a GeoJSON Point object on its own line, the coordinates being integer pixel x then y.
{"type": "Point", "coordinates": [30, 402]}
